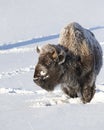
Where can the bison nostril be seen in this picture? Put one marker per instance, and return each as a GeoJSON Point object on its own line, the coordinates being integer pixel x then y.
{"type": "Point", "coordinates": [46, 77]}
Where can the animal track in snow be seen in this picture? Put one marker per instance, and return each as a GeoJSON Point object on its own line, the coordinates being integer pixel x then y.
{"type": "Point", "coordinates": [14, 91]}
{"type": "Point", "coordinates": [42, 98]}
{"type": "Point", "coordinates": [46, 99]}
{"type": "Point", "coordinates": [15, 72]}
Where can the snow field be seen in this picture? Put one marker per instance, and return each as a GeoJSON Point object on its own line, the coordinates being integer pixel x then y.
{"type": "Point", "coordinates": [24, 24]}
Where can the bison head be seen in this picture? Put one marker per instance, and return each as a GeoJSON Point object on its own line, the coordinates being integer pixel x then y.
{"type": "Point", "coordinates": [49, 69]}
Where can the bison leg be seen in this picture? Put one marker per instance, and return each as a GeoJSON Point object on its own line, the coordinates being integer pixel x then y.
{"type": "Point", "coordinates": [87, 93]}
{"type": "Point", "coordinates": [70, 92]}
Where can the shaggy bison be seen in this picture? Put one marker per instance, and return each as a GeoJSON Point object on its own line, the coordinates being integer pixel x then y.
{"type": "Point", "coordinates": [74, 63]}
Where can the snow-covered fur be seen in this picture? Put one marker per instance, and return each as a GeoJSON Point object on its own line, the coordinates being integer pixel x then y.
{"type": "Point", "coordinates": [74, 63]}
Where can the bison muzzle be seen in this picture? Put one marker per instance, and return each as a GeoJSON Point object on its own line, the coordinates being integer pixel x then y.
{"type": "Point", "coordinates": [74, 63]}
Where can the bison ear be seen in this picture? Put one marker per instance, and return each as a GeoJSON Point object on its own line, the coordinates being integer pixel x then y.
{"type": "Point", "coordinates": [62, 57]}
{"type": "Point", "coordinates": [54, 54]}
{"type": "Point", "coordinates": [53, 51]}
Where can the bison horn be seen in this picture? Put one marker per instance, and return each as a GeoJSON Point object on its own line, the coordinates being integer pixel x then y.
{"type": "Point", "coordinates": [38, 49]}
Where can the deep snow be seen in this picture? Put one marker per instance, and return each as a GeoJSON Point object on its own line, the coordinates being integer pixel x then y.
{"type": "Point", "coordinates": [24, 24]}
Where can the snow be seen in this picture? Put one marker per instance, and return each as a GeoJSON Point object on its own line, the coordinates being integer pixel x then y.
{"type": "Point", "coordinates": [24, 24]}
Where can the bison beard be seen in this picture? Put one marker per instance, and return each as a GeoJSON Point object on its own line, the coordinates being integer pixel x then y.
{"type": "Point", "coordinates": [74, 63]}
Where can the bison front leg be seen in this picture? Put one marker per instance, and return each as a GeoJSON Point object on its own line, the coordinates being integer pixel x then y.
{"type": "Point", "coordinates": [87, 93]}
{"type": "Point", "coordinates": [71, 92]}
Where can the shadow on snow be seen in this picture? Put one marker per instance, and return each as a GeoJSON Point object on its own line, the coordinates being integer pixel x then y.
{"type": "Point", "coordinates": [28, 42]}
{"type": "Point", "coordinates": [37, 40]}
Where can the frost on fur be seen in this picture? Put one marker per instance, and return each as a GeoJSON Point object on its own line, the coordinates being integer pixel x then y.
{"type": "Point", "coordinates": [74, 63]}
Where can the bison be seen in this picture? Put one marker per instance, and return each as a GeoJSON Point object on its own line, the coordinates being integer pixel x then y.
{"type": "Point", "coordinates": [74, 63]}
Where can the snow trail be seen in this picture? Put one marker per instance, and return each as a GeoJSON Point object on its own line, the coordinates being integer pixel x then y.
{"type": "Point", "coordinates": [15, 91]}
{"type": "Point", "coordinates": [96, 28]}
{"type": "Point", "coordinates": [57, 97]}
{"type": "Point", "coordinates": [17, 71]}
{"type": "Point", "coordinates": [28, 42]}
{"type": "Point", "coordinates": [37, 40]}
{"type": "Point", "coordinates": [42, 98]}
{"type": "Point", "coordinates": [17, 50]}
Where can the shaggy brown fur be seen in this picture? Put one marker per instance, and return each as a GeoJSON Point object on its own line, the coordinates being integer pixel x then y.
{"type": "Point", "coordinates": [74, 63]}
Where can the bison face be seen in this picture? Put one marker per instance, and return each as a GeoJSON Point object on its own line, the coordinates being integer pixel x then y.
{"type": "Point", "coordinates": [48, 71]}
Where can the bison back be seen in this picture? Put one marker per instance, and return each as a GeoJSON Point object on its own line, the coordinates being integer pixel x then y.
{"type": "Point", "coordinates": [81, 42]}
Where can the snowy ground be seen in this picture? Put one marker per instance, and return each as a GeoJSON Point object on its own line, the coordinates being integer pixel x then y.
{"type": "Point", "coordinates": [24, 24]}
